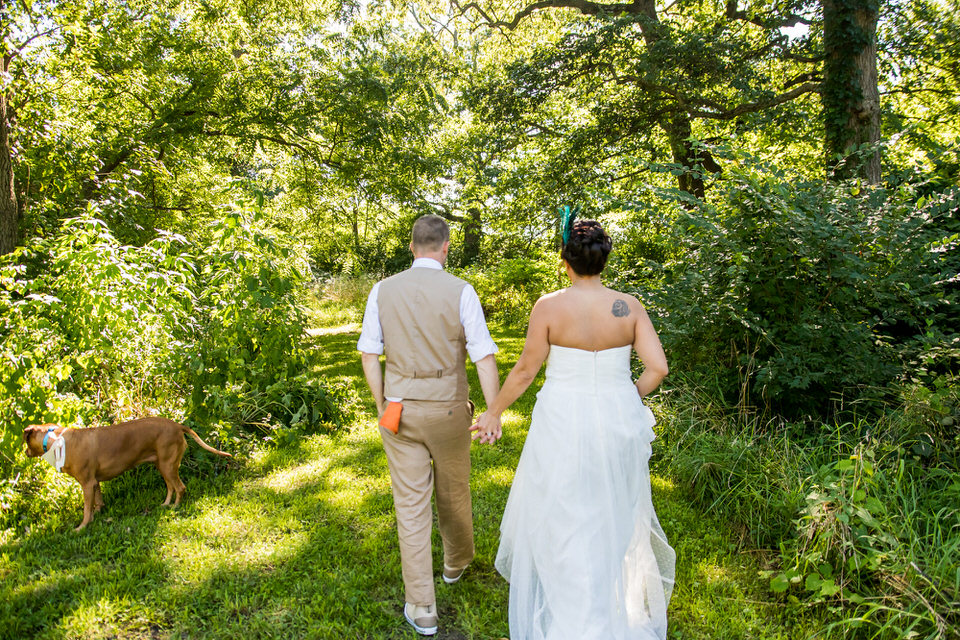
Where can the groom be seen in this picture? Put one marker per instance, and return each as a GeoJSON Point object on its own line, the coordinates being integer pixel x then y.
{"type": "Point", "coordinates": [426, 321]}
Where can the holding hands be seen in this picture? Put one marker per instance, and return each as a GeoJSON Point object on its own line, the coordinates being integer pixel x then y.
{"type": "Point", "coordinates": [487, 429]}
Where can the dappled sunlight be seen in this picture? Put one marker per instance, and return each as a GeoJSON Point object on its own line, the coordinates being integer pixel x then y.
{"type": "Point", "coordinates": [351, 327]}
{"type": "Point", "coordinates": [235, 537]}
{"type": "Point", "coordinates": [349, 490]}
{"type": "Point", "coordinates": [515, 419]}
{"type": "Point", "coordinates": [112, 617]}
{"type": "Point", "coordinates": [292, 478]}
{"type": "Point", "coordinates": [501, 476]}
{"type": "Point", "coordinates": [659, 483]}
{"type": "Point", "coordinates": [712, 573]}
{"type": "Point", "coordinates": [301, 542]}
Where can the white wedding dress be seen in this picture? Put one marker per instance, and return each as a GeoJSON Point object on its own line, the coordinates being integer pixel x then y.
{"type": "Point", "coordinates": [580, 542]}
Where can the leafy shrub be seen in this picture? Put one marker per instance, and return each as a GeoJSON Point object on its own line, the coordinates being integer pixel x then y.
{"type": "Point", "coordinates": [878, 537]}
{"type": "Point", "coordinates": [248, 365]}
{"type": "Point", "coordinates": [87, 326]}
{"type": "Point", "coordinates": [802, 292]}
{"type": "Point", "coordinates": [508, 290]}
{"type": "Point", "coordinates": [92, 331]}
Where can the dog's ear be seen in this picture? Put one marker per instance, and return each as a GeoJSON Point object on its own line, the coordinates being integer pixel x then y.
{"type": "Point", "coordinates": [31, 447]}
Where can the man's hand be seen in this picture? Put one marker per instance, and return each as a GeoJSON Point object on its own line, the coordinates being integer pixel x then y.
{"type": "Point", "coordinates": [487, 429]}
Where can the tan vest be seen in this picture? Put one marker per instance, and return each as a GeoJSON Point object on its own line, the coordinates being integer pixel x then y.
{"type": "Point", "coordinates": [423, 338]}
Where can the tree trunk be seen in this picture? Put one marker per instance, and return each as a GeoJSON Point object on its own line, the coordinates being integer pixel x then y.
{"type": "Point", "coordinates": [851, 99]}
{"type": "Point", "coordinates": [472, 235]}
{"type": "Point", "coordinates": [9, 212]}
{"type": "Point", "coordinates": [678, 128]}
{"type": "Point", "coordinates": [678, 132]}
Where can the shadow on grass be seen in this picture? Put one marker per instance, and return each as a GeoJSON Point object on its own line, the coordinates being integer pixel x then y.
{"type": "Point", "coordinates": [300, 545]}
{"type": "Point", "coordinates": [48, 571]}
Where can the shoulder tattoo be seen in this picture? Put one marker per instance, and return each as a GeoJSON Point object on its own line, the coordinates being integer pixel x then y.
{"type": "Point", "coordinates": [620, 309]}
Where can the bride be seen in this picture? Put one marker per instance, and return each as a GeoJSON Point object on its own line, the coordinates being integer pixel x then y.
{"type": "Point", "coordinates": [580, 542]}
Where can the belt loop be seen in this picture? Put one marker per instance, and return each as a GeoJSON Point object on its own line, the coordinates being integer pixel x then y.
{"type": "Point", "coordinates": [439, 373]}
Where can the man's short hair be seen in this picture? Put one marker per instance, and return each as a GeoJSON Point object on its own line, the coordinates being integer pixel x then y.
{"type": "Point", "coordinates": [430, 232]}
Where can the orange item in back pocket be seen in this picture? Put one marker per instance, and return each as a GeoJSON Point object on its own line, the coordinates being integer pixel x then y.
{"type": "Point", "coordinates": [390, 420]}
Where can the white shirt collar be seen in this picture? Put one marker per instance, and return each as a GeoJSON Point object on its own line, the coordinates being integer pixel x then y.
{"type": "Point", "coordinates": [427, 263]}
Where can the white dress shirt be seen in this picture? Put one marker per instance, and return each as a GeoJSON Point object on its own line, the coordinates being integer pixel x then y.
{"type": "Point", "coordinates": [479, 342]}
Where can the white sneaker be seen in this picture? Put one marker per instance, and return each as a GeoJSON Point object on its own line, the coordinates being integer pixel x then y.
{"type": "Point", "coordinates": [422, 619]}
{"type": "Point", "coordinates": [452, 576]}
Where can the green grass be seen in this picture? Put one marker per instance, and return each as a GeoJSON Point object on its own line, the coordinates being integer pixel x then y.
{"type": "Point", "coordinates": [300, 542]}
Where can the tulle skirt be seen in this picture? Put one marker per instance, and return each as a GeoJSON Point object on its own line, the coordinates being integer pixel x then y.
{"type": "Point", "coordinates": [580, 542]}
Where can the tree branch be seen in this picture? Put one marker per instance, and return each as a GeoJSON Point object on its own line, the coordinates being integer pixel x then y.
{"type": "Point", "coordinates": [796, 57]}
{"type": "Point", "coordinates": [541, 127]}
{"type": "Point", "coordinates": [586, 7]}
{"type": "Point", "coordinates": [711, 109]}
{"type": "Point", "coordinates": [445, 211]}
{"type": "Point", "coordinates": [803, 77]}
{"type": "Point", "coordinates": [18, 48]}
{"type": "Point", "coordinates": [750, 107]}
{"type": "Point", "coordinates": [790, 20]}
{"type": "Point", "coordinates": [290, 144]}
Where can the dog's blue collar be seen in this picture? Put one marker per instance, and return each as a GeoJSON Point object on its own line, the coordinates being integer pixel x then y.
{"type": "Point", "coordinates": [47, 437]}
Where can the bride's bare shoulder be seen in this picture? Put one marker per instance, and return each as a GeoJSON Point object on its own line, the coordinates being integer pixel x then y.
{"type": "Point", "coordinates": [624, 304]}
{"type": "Point", "coordinates": [552, 298]}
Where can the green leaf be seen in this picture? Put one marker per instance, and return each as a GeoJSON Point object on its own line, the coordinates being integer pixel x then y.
{"type": "Point", "coordinates": [828, 588]}
{"type": "Point", "coordinates": [845, 465]}
{"type": "Point", "coordinates": [779, 583]}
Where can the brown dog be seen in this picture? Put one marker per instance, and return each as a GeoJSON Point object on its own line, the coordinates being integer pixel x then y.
{"type": "Point", "coordinates": [95, 455]}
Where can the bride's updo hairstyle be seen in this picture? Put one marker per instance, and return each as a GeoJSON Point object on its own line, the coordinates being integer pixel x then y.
{"type": "Point", "coordinates": [587, 249]}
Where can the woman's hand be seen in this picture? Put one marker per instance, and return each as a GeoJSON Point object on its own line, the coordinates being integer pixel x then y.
{"type": "Point", "coordinates": [487, 429]}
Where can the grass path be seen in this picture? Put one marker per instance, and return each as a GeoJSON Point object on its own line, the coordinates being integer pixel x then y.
{"type": "Point", "coordinates": [300, 542]}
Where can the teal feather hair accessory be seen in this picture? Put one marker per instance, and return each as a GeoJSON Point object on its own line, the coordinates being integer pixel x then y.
{"type": "Point", "coordinates": [568, 215]}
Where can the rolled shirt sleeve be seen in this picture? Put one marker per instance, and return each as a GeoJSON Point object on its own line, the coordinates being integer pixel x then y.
{"type": "Point", "coordinates": [479, 342]}
{"type": "Point", "coordinates": [371, 335]}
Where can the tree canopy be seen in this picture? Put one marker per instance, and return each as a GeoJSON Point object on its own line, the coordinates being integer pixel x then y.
{"type": "Point", "coordinates": [339, 123]}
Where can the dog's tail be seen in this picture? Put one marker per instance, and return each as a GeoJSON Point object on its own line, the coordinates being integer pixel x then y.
{"type": "Point", "coordinates": [190, 432]}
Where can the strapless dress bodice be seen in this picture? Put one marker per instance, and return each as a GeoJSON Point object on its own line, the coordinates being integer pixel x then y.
{"type": "Point", "coordinates": [589, 371]}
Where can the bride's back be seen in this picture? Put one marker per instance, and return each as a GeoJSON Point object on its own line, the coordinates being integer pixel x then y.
{"type": "Point", "coordinates": [592, 318]}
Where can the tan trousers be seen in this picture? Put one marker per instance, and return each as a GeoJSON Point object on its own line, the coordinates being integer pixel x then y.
{"type": "Point", "coordinates": [431, 452]}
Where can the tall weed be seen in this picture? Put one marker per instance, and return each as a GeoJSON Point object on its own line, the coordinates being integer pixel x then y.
{"type": "Point", "coordinates": [88, 326]}
{"type": "Point", "coordinates": [338, 300]}
{"type": "Point", "coordinates": [865, 523]}
{"type": "Point", "coordinates": [731, 463]}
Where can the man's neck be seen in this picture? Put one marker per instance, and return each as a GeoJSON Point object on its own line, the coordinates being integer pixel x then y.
{"type": "Point", "coordinates": [437, 256]}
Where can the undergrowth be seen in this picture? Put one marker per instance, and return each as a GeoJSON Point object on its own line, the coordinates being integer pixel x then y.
{"type": "Point", "coordinates": [860, 519]}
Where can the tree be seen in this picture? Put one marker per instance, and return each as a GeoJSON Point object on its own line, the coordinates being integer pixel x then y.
{"type": "Point", "coordinates": [162, 112]}
{"type": "Point", "coordinates": [9, 209]}
{"type": "Point", "coordinates": [851, 98]}
{"type": "Point", "coordinates": [704, 69]}
{"type": "Point", "coordinates": [20, 27]}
